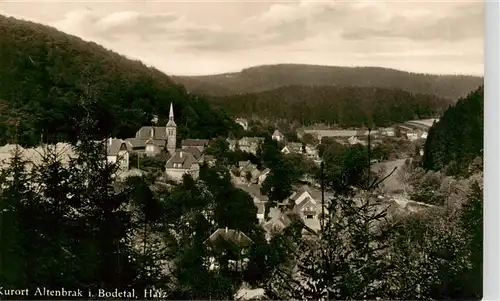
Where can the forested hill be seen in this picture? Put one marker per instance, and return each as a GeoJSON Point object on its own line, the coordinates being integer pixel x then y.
{"type": "Point", "coordinates": [263, 78]}
{"type": "Point", "coordinates": [458, 136]}
{"type": "Point", "coordinates": [347, 106]}
{"type": "Point", "coordinates": [44, 73]}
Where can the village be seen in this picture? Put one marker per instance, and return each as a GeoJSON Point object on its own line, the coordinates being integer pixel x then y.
{"type": "Point", "coordinates": [161, 141]}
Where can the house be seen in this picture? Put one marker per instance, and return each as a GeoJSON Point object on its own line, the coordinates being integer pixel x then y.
{"type": "Point", "coordinates": [118, 151]}
{"type": "Point", "coordinates": [200, 144]}
{"type": "Point", "coordinates": [278, 220]}
{"type": "Point", "coordinates": [208, 159]}
{"type": "Point", "coordinates": [248, 172]}
{"type": "Point", "coordinates": [250, 144]}
{"type": "Point", "coordinates": [263, 175]}
{"type": "Point", "coordinates": [412, 136]}
{"type": "Point", "coordinates": [242, 122]}
{"type": "Point", "coordinates": [302, 194]}
{"type": "Point", "coordinates": [232, 144]}
{"type": "Point", "coordinates": [231, 235]}
{"type": "Point", "coordinates": [278, 136]}
{"type": "Point", "coordinates": [389, 132]}
{"type": "Point", "coordinates": [307, 204]}
{"type": "Point", "coordinates": [312, 152]}
{"type": "Point", "coordinates": [151, 140]}
{"type": "Point", "coordinates": [310, 212]}
{"type": "Point", "coordinates": [292, 148]}
{"type": "Point", "coordinates": [355, 140]}
{"type": "Point", "coordinates": [258, 198]}
{"type": "Point", "coordinates": [182, 163]}
{"type": "Point", "coordinates": [254, 191]}
{"type": "Point", "coordinates": [329, 133]}
{"type": "Point", "coordinates": [230, 242]}
{"type": "Point", "coordinates": [193, 151]}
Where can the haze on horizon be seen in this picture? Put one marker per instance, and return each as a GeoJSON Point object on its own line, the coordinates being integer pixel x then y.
{"type": "Point", "coordinates": [208, 37]}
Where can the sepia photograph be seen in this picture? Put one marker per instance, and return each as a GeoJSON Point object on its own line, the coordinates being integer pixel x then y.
{"type": "Point", "coordinates": [241, 150]}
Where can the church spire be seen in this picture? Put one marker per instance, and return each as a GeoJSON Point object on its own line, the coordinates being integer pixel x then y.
{"type": "Point", "coordinates": [171, 114]}
{"type": "Point", "coordinates": [171, 122]}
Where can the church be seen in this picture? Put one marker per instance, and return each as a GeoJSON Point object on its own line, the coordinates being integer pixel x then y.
{"type": "Point", "coordinates": [151, 140]}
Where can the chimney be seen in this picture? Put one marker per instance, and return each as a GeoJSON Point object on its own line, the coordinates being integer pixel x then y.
{"type": "Point", "coordinates": [180, 154]}
{"type": "Point", "coordinates": [110, 141]}
{"type": "Point", "coordinates": [226, 229]}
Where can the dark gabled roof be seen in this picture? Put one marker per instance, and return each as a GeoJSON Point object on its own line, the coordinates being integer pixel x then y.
{"type": "Point", "coordinates": [298, 193]}
{"type": "Point", "coordinates": [159, 133]}
{"type": "Point", "coordinates": [294, 147]}
{"type": "Point", "coordinates": [235, 236]}
{"type": "Point", "coordinates": [115, 145]}
{"type": "Point", "coordinates": [251, 168]}
{"type": "Point", "coordinates": [242, 164]}
{"type": "Point", "coordinates": [194, 142]}
{"type": "Point", "coordinates": [281, 222]}
{"type": "Point", "coordinates": [193, 151]}
{"type": "Point", "coordinates": [253, 190]}
{"type": "Point", "coordinates": [181, 157]}
{"type": "Point", "coordinates": [136, 142]}
{"type": "Point", "coordinates": [252, 140]}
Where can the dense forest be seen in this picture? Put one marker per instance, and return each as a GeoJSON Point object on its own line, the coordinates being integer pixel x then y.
{"type": "Point", "coordinates": [458, 136]}
{"type": "Point", "coordinates": [348, 106]}
{"type": "Point", "coordinates": [44, 73]}
{"type": "Point", "coordinates": [263, 78]}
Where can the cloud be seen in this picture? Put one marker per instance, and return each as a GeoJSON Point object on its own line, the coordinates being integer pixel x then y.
{"type": "Point", "coordinates": [460, 23]}
{"type": "Point", "coordinates": [439, 36]}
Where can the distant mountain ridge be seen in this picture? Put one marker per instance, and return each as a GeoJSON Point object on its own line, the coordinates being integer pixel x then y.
{"type": "Point", "coordinates": [268, 77]}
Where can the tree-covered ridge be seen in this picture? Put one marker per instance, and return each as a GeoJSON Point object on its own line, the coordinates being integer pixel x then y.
{"type": "Point", "coordinates": [458, 136]}
{"type": "Point", "coordinates": [262, 78]}
{"type": "Point", "coordinates": [44, 72]}
{"type": "Point", "coordinates": [347, 106]}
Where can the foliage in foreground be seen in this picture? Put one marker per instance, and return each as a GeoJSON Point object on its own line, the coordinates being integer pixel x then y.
{"type": "Point", "coordinates": [109, 234]}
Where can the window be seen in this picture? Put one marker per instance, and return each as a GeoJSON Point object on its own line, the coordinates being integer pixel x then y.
{"type": "Point", "coordinates": [150, 148]}
{"type": "Point", "coordinates": [309, 216]}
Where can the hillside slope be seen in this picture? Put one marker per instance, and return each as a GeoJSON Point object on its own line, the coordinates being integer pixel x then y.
{"type": "Point", "coordinates": [44, 73]}
{"type": "Point", "coordinates": [262, 78]}
{"type": "Point", "coordinates": [346, 106]}
{"type": "Point", "coordinates": [458, 136]}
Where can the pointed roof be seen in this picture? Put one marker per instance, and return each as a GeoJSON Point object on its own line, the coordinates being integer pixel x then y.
{"type": "Point", "coordinates": [185, 159]}
{"type": "Point", "coordinates": [171, 121]}
{"type": "Point", "coordinates": [277, 133]}
{"type": "Point", "coordinates": [171, 114]}
{"type": "Point", "coordinates": [234, 236]}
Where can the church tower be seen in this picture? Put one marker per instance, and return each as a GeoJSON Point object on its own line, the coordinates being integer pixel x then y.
{"type": "Point", "coordinates": [171, 129]}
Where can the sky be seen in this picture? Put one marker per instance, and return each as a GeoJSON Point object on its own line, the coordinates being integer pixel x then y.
{"type": "Point", "coordinates": [209, 37]}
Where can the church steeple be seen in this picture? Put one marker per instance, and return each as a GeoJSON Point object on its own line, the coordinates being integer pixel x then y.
{"type": "Point", "coordinates": [171, 121]}
{"type": "Point", "coordinates": [171, 114]}
{"type": "Point", "coordinates": [171, 130]}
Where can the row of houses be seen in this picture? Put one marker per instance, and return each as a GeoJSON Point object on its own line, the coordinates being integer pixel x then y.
{"type": "Point", "coordinates": [408, 131]}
